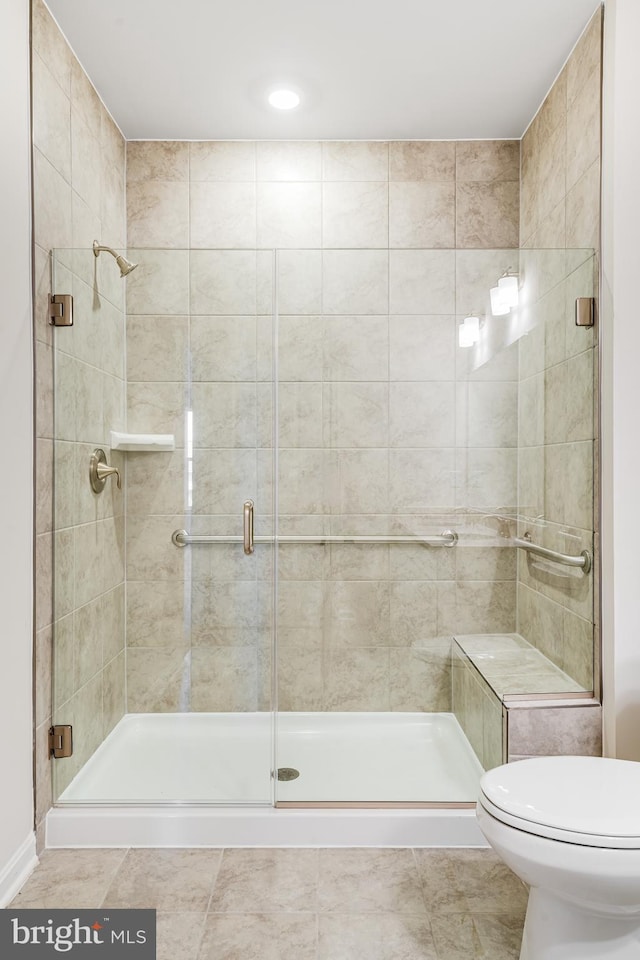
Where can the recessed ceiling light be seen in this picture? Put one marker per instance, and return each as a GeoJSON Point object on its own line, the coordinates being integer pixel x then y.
{"type": "Point", "coordinates": [284, 99]}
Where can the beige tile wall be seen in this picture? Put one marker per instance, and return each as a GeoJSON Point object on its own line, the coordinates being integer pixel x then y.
{"type": "Point", "coordinates": [78, 156]}
{"type": "Point", "coordinates": [560, 210]}
{"type": "Point", "coordinates": [384, 424]}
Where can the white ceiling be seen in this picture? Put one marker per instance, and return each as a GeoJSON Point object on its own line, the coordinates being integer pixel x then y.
{"type": "Point", "coordinates": [367, 69]}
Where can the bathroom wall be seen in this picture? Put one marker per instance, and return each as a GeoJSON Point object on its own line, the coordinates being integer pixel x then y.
{"type": "Point", "coordinates": [17, 843]}
{"type": "Point", "coordinates": [620, 346]}
{"type": "Point", "coordinates": [559, 229]}
{"type": "Point", "coordinates": [78, 171]}
{"type": "Point", "coordinates": [386, 426]}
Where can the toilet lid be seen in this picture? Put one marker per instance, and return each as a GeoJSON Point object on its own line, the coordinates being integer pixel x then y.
{"type": "Point", "coordinates": [593, 796]}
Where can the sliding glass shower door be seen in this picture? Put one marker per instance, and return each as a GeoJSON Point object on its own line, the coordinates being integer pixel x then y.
{"type": "Point", "coordinates": [229, 456]}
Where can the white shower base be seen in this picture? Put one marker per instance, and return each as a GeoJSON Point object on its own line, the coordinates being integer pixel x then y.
{"type": "Point", "coordinates": [204, 779]}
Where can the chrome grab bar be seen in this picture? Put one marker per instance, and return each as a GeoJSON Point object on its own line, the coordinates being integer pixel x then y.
{"type": "Point", "coordinates": [581, 560]}
{"type": "Point", "coordinates": [247, 526]}
{"type": "Point", "coordinates": [448, 538]}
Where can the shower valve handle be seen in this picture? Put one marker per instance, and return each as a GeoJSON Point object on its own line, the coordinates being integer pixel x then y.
{"type": "Point", "coordinates": [104, 472]}
{"type": "Point", "coordinates": [100, 471]}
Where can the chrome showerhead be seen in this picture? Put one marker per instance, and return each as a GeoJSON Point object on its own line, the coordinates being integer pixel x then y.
{"type": "Point", "coordinates": [126, 266]}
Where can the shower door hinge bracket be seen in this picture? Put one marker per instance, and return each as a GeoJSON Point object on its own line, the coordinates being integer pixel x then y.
{"type": "Point", "coordinates": [585, 311]}
{"type": "Point", "coordinates": [61, 741]}
{"type": "Point", "coordinates": [61, 310]}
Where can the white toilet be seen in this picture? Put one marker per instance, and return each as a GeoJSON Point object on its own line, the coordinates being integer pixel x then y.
{"type": "Point", "coordinates": [570, 828]}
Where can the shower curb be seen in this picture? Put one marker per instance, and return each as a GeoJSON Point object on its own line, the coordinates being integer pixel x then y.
{"type": "Point", "coordinates": [260, 827]}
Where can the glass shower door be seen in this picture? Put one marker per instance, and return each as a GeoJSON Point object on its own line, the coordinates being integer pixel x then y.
{"type": "Point", "coordinates": [163, 625]}
{"type": "Point", "coordinates": [229, 500]}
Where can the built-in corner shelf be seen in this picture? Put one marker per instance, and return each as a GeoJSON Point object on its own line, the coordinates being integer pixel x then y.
{"type": "Point", "coordinates": [139, 442]}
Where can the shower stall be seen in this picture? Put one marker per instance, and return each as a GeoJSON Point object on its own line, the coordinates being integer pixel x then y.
{"type": "Point", "coordinates": [316, 584]}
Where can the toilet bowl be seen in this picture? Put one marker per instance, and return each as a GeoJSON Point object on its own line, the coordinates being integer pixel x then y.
{"type": "Point", "coordinates": [570, 828]}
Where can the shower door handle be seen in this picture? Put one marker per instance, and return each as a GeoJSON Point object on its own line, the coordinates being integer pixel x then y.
{"type": "Point", "coordinates": [247, 527]}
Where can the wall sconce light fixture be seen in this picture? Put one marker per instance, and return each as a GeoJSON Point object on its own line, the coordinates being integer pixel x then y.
{"type": "Point", "coordinates": [504, 296]}
{"type": "Point", "coordinates": [469, 331]}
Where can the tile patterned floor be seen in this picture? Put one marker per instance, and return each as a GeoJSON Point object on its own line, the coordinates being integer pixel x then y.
{"type": "Point", "coordinates": [299, 904]}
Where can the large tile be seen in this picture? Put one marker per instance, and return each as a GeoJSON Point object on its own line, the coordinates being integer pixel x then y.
{"type": "Point", "coordinates": [356, 348]}
{"type": "Point", "coordinates": [476, 271]}
{"type": "Point", "coordinates": [156, 408]}
{"type": "Point", "coordinates": [222, 282]}
{"type": "Point", "coordinates": [456, 937]}
{"type": "Point", "coordinates": [420, 681]}
{"type": "Point", "coordinates": [501, 936]}
{"type": "Point", "coordinates": [51, 118]}
{"type": "Point", "coordinates": [158, 214]}
{"type": "Point", "coordinates": [156, 680]}
{"type": "Point", "coordinates": [488, 160]}
{"type": "Point", "coordinates": [157, 160]}
{"type": "Point", "coordinates": [422, 347]}
{"type": "Point", "coordinates": [52, 201]}
{"type": "Point", "coordinates": [70, 878]}
{"type": "Point", "coordinates": [585, 59]}
{"type": "Point", "coordinates": [174, 880]}
{"type": "Point", "coordinates": [303, 481]}
{"type": "Point", "coordinates": [299, 282]}
{"type": "Point", "coordinates": [270, 880]}
{"type": "Point", "coordinates": [355, 160]}
{"type": "Point", "coordinates": [421, 281]}
{"type": "Point", "coordinates": [223, 215]}
{"type": "Point", "coordinates": [390, 937]}
{"type": "Point", "coordinates": [155, 613]}
{"type": "Point", "coordinates": [443, 883]}
{"type": "Point", "coordinates": [489, 886]}
{"type": "Point", "coordinates": [289, 215]}
{"type": "Point", "coordinates": [487, 415]}
{"type": "Point", "coordinates": [150, 553]}
{"type": "Point", "coordinates": [359, 613]}
{"type": "Point", "coordinates": [357, 481]}
{"type": "Point", "coordinates": [223, 348]}
{"type": "Point", "coordinates": [224, 679]}
{"type": "Point", "coordinates": [259, 936]}
{"type": "Point", "coordinates": [421, 214]}
{"type": "Point", "coordinates": [583, 210]}
{"type": "Point", "coordinates": [157, 348]}
{"type": "Point", "coordinates": [422, 415]}
{"type": "Point", "coordinates": [160, 284]}
{"type": "Point", "coordinates": [289, 160]}
{"type": "Point", "coordinates": [583, 129]}
{"type": "Point", "coordinates": [178, 935]}
{"type": "Point", "coordinates": [487, 214]}
{"type": "Point", "coordinates": [356, 679]}
{"type": "Point", "coordinates": [486, 478]}
{"type": "Point", "coordinates": [422, 160]}
{"type": "Point", "coordinates": [357, 414]}
{"type": "Point", "coordinates": [375, 881]}
{"type": "Point", "coordinates": [421, 479]}
{"type": "Point", "coordinates": [86, 153]}
{"type": "Point", "coordinates": [51, 45]}
{"type": "Point", "coordinates": [223, 160]}
{"type": "Point", "coordinates": [300, 422]}
{"type": "Point", "coordinates": [224, 415]}
{"type": "Point", "coordinates": [355, 215]}
{"type": "Point", "coordinates": [355, 282]}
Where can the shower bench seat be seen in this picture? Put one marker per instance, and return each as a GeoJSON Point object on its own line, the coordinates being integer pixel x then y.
{"type": "Point", "coordinates": [499, 680]}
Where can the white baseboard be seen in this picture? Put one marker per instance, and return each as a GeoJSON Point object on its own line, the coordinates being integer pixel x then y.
{"type": "Point", "coordinates": [17, 870]}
